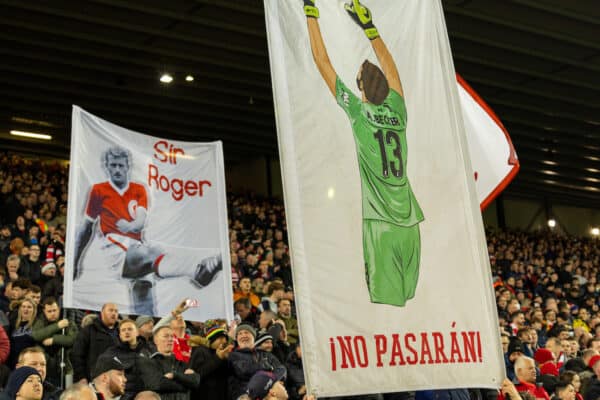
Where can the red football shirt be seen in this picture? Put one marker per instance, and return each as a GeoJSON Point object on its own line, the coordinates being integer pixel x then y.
{"type": "Point", "coordinates": [106, 203]}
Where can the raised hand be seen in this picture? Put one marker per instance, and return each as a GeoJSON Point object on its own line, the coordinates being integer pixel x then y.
{"type": "Point", "coordinates": [362, 16]}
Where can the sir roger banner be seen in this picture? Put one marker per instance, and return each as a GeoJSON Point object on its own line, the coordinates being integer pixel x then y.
{"type": "Point", "coordinates": [147, 222]}
{"type": "Point", "coordinates": [390, 264]}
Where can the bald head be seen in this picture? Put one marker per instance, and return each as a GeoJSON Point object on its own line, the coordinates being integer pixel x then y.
{"type": "Point", "coordinates": [147, 395]}
{"type": "Point", "coordinates": [78, 391]}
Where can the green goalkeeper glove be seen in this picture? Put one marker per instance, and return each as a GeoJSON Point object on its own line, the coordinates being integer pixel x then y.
{"type": "Point", "coordinates": [310, 10]}
{"type": "Point", "coordinates": [362, 16]}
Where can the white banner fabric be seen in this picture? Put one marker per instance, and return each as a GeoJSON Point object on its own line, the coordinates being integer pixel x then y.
{"type": "Point", "coordinates": [493, 156]}
{"type": "Point", "coordinates": [391, 271]}
{"type": "Point", "coordinates": [147, 223]}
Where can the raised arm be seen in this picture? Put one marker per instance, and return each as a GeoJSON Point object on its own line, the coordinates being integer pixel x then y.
{"type": "Point", "coordinates": [362, 16]}
{"type": "Point", "coordinates": [317, 45]}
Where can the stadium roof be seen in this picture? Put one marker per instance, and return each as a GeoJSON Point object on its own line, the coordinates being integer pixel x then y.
{"type": "Point", "coordinates": [536, 62]}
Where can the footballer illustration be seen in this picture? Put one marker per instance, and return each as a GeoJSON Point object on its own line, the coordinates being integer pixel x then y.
{"type": "Point", "coordinates": [110, 248]}
{"type": "Point", "coordinates": [390, 211]}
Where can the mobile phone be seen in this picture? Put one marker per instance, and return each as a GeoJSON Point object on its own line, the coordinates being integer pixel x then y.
{"type": "Point", "coordinates": [191, 303]}
{"type": "Point", "coordinates": [237, 318]}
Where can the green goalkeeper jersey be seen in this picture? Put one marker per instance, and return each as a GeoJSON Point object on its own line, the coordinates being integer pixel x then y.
{"type": "Point", "coordinates": [380, 137]}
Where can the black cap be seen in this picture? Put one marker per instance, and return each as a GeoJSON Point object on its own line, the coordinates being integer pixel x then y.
{"type": "Point", "coordinates": [515, 346]}
{"type": "Point", "coordinates": [260, 384]}
{"type": "Point", "coordinates": [107, 363]}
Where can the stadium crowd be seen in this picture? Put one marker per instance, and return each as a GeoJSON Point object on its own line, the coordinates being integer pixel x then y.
{"type": "Point", "coordinates": [546, 292]}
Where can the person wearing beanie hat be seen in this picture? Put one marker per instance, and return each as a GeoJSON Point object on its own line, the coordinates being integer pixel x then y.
{"type": "Point", "coordinates": [245, 328]}
{"type": "Point", "coordinates": [246, 360]}
{"type": "Point", "coordinates": [545, 360]}
{"type": "Point", "coordinates": [145, 324]}
{"type": "Point", "coordinates": [515, 350]}
{"type": "Point", "coordinates": [211, 360]}
{"type": "Point", "coordinates": [49, 269]}
{"type": "Point", "coordinates": [264, 342]}
{"type": "Point", "coordinates": [25, 383]}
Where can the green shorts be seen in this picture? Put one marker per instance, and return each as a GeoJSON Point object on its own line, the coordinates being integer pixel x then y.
{"type": "Point", "coordinates": [392, 254]}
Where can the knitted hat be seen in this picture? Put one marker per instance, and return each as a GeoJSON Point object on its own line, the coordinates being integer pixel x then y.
{"type": "Point", "coordinates": [48, 266]}
{"type": "Point", "coordinates": [214, 333]}
{"type": "Point", "coordinates": [17, 378]}
{"type": "Point", "coordinates": [245, 327]}
{"type": "Point", "coordinates": [262, 338]}
{"type": "Point", "coordinates": [260, 384]}
{"type": "Point", "coordinates": [543, 356]}
{"type": "Point", "coordinates": [142, 320]}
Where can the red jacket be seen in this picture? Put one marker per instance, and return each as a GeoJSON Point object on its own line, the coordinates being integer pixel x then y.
{"type": "Point", "coordinates": [4, 346]}
{"type": "Point", "coordinates": [536, 391]}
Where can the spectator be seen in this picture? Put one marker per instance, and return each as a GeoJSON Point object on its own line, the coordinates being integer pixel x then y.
{"type": "Point", "coordinates": [275, 292]}
{"type": "Point", "coordinates": [24, 383]}
{"type": "Point", "coordinates": [291, 325]}
{"type": "Point", "coordinates": [13, 264]}
{"type": "Point", "coordinates": [166, 375]}
{"type": "Point", "coordinates": [130, 348]}
{"type": "Point", "coordinates": [57, 338]}
{"type": "Point", "coordinates": [211, 363]}
{"type": "Point", "coordinates": [54, 286]}
{"type": "Point", "coordinates": [145, 324]}
{"type": "Point", "coordinates": [572, 378]}
{"type": "Point", "coordinates": [20, 331]}
{"type": "Point", "coordinates": [515, 350]}
{"type": "Point", "coordinates": [545, 360]}
{"type": "Point", "coordinates": [564, 391]}
{"type": "Point", "coordinates": [109, 378]}
{"type": "Point", "coordinates": [245, 291]}
{"type": "Point", "coordinates": [245, 361]}
{"type": "Point", "coordinates": [34, 357]}
{"type": "Point", "coordinates": [92, 341]}
{"type": "Point", "coordinates": [526, 375]}
{"type": "Point", "coordinates": [181, 348]}
{"type": "Point", "coordinates": [267, 385]}
{"type": "Point", "coordinates": [248, 314]}
{"type": "Point", "coordinates": [30, 266]}
{"type": "Point", "coordinates": [79, 391]}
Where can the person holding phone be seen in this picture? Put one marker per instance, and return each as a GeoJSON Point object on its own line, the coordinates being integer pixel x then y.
{"type": "Point", "coordinates": [211, 362]}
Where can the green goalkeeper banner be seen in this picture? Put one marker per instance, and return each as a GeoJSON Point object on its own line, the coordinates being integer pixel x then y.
{"type": "Point", "coordinates": [390, 261]}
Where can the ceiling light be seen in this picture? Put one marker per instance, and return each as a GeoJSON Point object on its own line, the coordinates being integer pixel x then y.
{"type": "Point", "coordinates": [595, 231]}
{"type": "Point", "coordinates": [551, 223]}
{"type": "Point", "coordinates": [189, 78]}
{"type": "Point", "coordinates": [166, 78]}
{"type": "Point", "coordinates": [548, 162]}
{"type": "Point", "coordinates": [594, 170]}
{"type": "Point", "coordinates": [548, 172]}
{"type": "Point", "coordinates": [31, 135]}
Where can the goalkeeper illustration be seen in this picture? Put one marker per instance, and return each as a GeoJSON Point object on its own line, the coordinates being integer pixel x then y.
{"type": "Point", "coordinates": [391, 214]}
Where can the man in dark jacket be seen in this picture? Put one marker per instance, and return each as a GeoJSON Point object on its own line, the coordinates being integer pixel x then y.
{"type": "Point", "coordinates": [593, 390]}
{"type": "Point", "coordinates": [56, 336]}
{"type": "Point", "coordinates": [129, 350]}
{"type": "Point", "coordinates": [163, 373]}
{"type": "Point", "coordinates": [92, 341]}
{"type": "Point", "coordinates": [211, 364]}
{"type": "Point", "coordinates": [34, 357]}
{"type": "Point", "coordinates": [245, 361]}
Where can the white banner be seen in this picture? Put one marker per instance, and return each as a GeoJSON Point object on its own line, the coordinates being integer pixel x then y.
{"type": "Point", "coordinates": [147, 223]}
{"type": "Point", "coordinates": [391, 271]}
{"type": "Point", "coordinates": [492, 153]}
